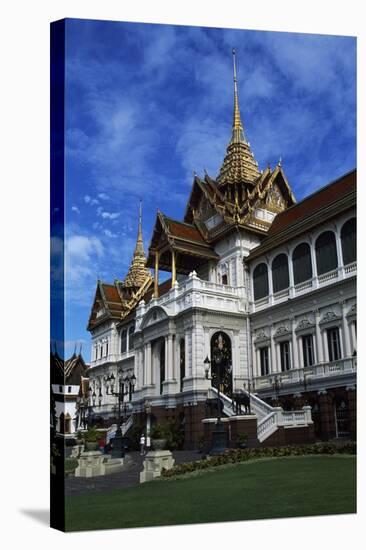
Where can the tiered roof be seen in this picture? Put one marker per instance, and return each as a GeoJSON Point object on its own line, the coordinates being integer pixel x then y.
{"type": "Point", "coordinates": [69, 371]}
{"type": "Point", "coordinates": [239, 165]}
{"type": "Point", "coordinates": [117, 300]}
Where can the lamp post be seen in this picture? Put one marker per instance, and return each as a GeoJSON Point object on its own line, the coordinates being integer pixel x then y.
{"type": "Point", "coordinates": [276, 385]}
{"type": "Point", "coordinates": [148, 422]}
{"type": "Point", "coordinates": [125, 387]}
{"type": "Point", "coordinates": [219, 439]}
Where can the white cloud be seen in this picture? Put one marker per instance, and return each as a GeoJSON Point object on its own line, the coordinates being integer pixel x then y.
{"type": "Point", "coordinates": [89, 200]}
{"type": "Point", "coordinates": [75, 209]}
{"type": "Point", "coordinates": [103, 196]}
{"type": "Point", "coordinates": [110, 216]}
{"type": "Point", "coordinates": [109, 234]}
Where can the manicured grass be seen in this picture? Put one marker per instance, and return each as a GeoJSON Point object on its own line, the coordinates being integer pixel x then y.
{"type": "Point", "coordinates": [270, 488]}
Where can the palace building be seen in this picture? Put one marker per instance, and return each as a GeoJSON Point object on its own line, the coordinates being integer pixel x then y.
{"type": "Point", "coordinates": [262, 290]}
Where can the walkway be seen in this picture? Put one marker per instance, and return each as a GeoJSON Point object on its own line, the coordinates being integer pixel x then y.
{"type": "Point", "coordinates": [130, 477]}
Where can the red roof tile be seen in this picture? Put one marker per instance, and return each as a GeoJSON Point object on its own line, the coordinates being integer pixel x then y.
{"type": "Point", "coordinates": [184, 230]}
{"type": "Point", "coordinates": [314, 203]}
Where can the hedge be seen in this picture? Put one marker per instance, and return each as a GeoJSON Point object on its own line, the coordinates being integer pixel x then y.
{"type": "Point", "coordinates": [234, 456]}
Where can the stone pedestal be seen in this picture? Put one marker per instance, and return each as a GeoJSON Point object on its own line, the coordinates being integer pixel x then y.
{"type": "Point", "coordinates": [95, 463]}
{"type": "Point", "coordinates": [154, 462]}
{"type": "Point", "coordinates": [76, 451]}
{"type": "Point", "coordinates": [90, 464]}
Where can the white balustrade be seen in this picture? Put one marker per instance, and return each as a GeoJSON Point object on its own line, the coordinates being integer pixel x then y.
{"type": "Point", "coordinates": [322, 370]}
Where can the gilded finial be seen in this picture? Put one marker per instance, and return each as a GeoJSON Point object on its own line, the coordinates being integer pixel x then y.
{"type": "Point", "coordinates": [238, 131]}
{"type": "Point", "coordinates": [280, 161]}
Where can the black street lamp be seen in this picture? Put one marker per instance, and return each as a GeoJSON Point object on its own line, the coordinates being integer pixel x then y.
{"type": "Point", "coordinates": [276, 385]}
{"type": "Point", "coordinates": [125, 387]}
{"type": "Point", "coordinates": [85, 410]}
{"type": "Point", "coordinates": [219, 439]}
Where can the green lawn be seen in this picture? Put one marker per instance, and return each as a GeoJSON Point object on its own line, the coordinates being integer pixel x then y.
{"type": "Point", "coordinates": [274, 488]}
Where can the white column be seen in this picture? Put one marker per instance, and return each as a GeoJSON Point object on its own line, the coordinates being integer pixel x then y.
{"type": "Point", "coordinates": [278, 348]}
{"type": "Point", "coordinates": [270, 284]}
{"type": "Point", "coordinates": [148, 364]}
{"type": "Point", "coordinates": [291, 277]}
{"type": "Point", "coordinates": [273, 354]}
{"type": "Point", "coordinates": [187, 356]}
{"type": "Point", "coordinates": [169, 355]}
{"type": "Point", "coordinates": [255, 362]}
{"type": "Point", "coordinates": [339, 254]}
{"type": "Point", "coordinates": [346, 339]}
{"type": "Point", "coordinates": [319, 343]}
{"type": "Point", "coordinates": [313, 265]}
{"type": "Point", "coordinates": [325, 346]}
{"type": "Point", "coordinates": [354, 336]}
{"type": "Point", "coordinates": [295, 358]}
{"type": "Point", "coordinates": [194, 354]}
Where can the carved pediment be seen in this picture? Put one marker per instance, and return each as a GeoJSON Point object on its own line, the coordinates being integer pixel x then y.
{"type": "Point", "coordinates": [261, 335]}
{"type": "Point", "coordinates": [274, 199]}
{"type": "Point", "coordinates": [305, 324]}
{"type": "Point", "coordinates": [155, 315]}
{"type": "Point", "coordinates": [329, 317]}
{"type": "Point", "coordinates": [282, 330]}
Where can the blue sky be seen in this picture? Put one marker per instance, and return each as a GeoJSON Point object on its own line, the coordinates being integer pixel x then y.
{"type": "Point", "coordinates": [148, 105]}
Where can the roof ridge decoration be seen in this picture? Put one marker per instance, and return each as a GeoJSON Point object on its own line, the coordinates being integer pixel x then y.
{"type": "Point", "coordinates": [239, 163]}
{"type": "Point", "coordinates": [138, 272]}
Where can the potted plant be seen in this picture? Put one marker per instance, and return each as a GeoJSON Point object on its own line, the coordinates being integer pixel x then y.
{"type": "Point", "coordinates": [158, 437]}
{"type": "Point", "coordinates": [91, 439]}
{"type": "Point", "coordinates": [242, 441]}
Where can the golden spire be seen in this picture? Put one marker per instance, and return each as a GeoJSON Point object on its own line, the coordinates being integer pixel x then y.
{"type": "Point", "coordinates": [239, 165]}
{"type": "Point", "coordinates": [238, 130]}
{"type": "Point", "coordinates": [138, 271]}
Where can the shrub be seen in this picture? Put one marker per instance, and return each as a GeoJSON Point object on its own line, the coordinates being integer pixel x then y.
{"type": "Point", "coordinates": [234, 456]}
{"type": "Point", "coordinates": [70, 465]}
{"type": "Point", "coordinates": [92, 435]}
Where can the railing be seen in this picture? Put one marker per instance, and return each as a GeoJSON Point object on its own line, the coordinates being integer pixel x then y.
{"type": "Point", "coordinates": [339, 273]}
{"type": "Point", "coordinates": [328, 276]}
{"type": "Point", "coordinates": [303, 286]}
{"type": "Point", "coordinates": [281, 294]}
{"type": "Point", "coordinates": [111, 432]}
{"type": "Point", "coordinates": [318, 371]}
{"type": "Point", "coordinates": [196, 292]}
{"type": "Point", "coordinates": [270, 418]}
{"type": "Point", "coordinates": [266, 426]}
{"type": "Point", "coordinates": [350, 268]}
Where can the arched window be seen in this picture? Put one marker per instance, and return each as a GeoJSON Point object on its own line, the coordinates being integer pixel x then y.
{"type": "Point", "coordinates": [124, 341]}
{"type": "Point", "coordinates": [280, 276]}
{"type": "Point", "coordinates": [301, 263]}
{"type": "Point", "coordinates": [348, 238]}
{"type": "Point", "coordinates": [326, 252]}
{"type": "Point", "coordinates": [131, 331]}
{"type": "Point", "coordinates": [182, 361]}
{"type": "Point", "coordinates": [260, 281]}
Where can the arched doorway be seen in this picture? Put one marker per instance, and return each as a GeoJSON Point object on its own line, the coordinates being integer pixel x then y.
{"type": "Point", "coordinates": [221, 362]}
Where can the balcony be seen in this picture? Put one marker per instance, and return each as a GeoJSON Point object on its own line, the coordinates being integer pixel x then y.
{"type": "Point", "coordinates": [320, 281]}
{"type": "Point", "coordinates": [313, 375]}
{"type": "Point", "coordinates": [195, 292]}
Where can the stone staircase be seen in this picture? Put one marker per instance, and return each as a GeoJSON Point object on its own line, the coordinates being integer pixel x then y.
{"type": "Point", "coordinates": [124, 427]}
{"type": "Point", "coordinates": [269, 419]}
